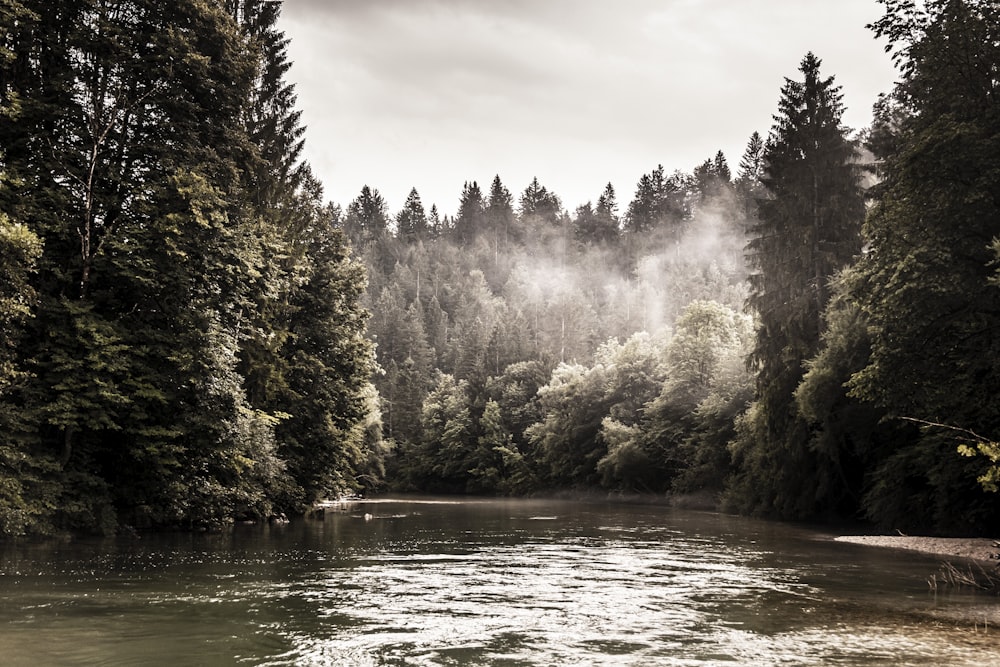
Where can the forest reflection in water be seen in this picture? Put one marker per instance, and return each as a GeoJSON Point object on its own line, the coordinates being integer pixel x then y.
{"type": "Point", "coordinates": [420, 581]}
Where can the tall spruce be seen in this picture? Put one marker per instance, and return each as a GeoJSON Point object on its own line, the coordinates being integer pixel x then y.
{"type": "Point", "coordinates": [808, 227]}
{"type": "Point", "coordinates": [411, 221]}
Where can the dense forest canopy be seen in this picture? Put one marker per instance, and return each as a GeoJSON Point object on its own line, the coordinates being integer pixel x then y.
{"type": "Point", "coordinates": [191, 335]}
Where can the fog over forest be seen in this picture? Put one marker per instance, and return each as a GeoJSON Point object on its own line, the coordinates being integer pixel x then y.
{"type": "Point", "coordinates": [193, 335]}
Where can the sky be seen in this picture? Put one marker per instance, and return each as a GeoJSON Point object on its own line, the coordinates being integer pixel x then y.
{"type": "Point", "coordinates": [397, 94]}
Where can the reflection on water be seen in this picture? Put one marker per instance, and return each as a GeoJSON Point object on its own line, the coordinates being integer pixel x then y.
{"type": "Point", "coordinates": [451, 582]}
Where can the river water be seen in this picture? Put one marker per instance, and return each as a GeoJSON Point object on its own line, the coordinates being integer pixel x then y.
{"type": "Point", "coordinates": [487, 582]}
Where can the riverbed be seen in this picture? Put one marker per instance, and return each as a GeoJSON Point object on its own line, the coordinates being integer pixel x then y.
{"type": "Point", "coordinates": [442, 581]}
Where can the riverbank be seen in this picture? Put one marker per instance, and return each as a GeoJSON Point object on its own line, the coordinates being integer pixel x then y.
{"type": "Point", "coordinates": [974, 548]}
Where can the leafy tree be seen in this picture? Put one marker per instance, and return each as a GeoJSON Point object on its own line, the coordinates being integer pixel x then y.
{"type": "Point", "coordinates": [578, 401]}
{"type": "Point", "coordinates": [19, 251]}
{"type": "Point", "coordinates": [445, 455]}
{"type": "Point", "coordinates": [808, 227]}
{"type": "Point", "coordinates": [24, 474]}
{"type": "Point", "coordinates": [494, 457]}
{"type": "Point", "coordinates": [924, 286]}
{"type": "Point", "coordinates": [574, 405]}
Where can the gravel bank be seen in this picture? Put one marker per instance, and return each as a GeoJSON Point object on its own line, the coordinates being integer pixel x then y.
{"type": "Point", "coordinates": [978, 548]}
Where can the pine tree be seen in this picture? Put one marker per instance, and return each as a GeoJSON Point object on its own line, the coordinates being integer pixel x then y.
{"type": "Point", "coordinates": [659, 202]}
{"type": "Point", "coordinates": [411, 222]}
{"type": "Point", "coordinates": [748, 180]}
{"type": "Point", "coordinates": [808, 227]}
{"type": "Point", "coordinates": [500, 220]}
{"type": "Point", "coordinates": [469, 221]}
{"type": "Point", "coordinates": [598, 225]}
{"type": "Point", "coordinates": [367, 217]}
{"type": "Point", "coordinates": [330, 363]}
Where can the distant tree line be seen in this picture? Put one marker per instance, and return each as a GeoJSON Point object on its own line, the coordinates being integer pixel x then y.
{"type": "Point", "coordinates": [188, 336]}
{"type": "Point", "coordinates": [846, 368]}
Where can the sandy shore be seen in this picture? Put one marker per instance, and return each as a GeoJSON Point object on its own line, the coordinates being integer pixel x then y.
{"type": "Point", "coordinates": [949, 547]}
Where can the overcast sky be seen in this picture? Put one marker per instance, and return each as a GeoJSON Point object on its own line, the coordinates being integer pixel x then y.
{"type": "Point", "coordinates": [429, 94]}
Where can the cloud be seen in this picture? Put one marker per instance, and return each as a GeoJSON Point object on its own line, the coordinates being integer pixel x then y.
{"type": "Point", "coordinates": [431, 93]}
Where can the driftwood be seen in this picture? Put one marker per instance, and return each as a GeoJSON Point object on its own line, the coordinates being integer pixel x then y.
{"type": "Point", "coordinates": [972, 575]}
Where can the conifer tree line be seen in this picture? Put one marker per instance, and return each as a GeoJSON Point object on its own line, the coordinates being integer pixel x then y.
{"type": "Point", "coordinates": [809, 339]}
{"type": "Point", "coordinates": [190, 335]}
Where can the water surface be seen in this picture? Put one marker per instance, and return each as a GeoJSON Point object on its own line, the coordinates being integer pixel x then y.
{"type": "Point", "coordinates": [487, 582]}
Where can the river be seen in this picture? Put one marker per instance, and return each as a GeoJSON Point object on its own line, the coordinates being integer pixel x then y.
{"type": "Point", "coordinates": [487, 582]}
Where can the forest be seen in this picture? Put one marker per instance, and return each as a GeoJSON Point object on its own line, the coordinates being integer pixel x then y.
{"type": "Point", "coordinates": [190, 335]}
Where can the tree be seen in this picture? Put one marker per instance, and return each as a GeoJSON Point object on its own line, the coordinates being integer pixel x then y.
{"type": "Point", "coordinates": [606, 214]}
{"type": "Point", "coordinates": [469, 221]}
{"type": "Point", "coordinates": [153, 150]}
{"type": "Point", "coordinates": [925, 285]}
{"type": "Point", "coordinates": [500, 220]}
{"type": "Point", "coordinates": [272, 121]}
{"type": "Point", "coordinates": [537, 202]}
{"type": "Point", "coordinates": [597, 225]}
{"type": "Point", "coordinates": [23, 473]}
{"type": "Point", "coordinates": [712, 178]}
{"type": "Point", "coordinates": [411, 222]}
{"type": "Point", "coordinates": [367, 217]}
{"type": "Point", "coordinates": [748, 180]}
{"type": "Point", "coordinates": [659, 201]}
{"type": "Point", "coordinates": [808, 227]}
{"type": "Point", "coordinates": [330, 365]}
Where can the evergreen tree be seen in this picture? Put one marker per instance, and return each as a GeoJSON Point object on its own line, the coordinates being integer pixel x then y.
{"type": "Point", "coordinates": [434, 224]}
{"type": "Point", "coordinates": [748, 180]}
{"type": "Point", "coordinates": [659, 201]}
{"type": "Point", "coordinates": [808, 227]}
{"type": "Point", "coordinates": [330, 365]}
{"type": "Point", "coordinates": [154, 152]}
{"type": "Point", "coordinates": [273, 123]}
{"type": "Point", "coordinates": [540, 215]}
{"type": "Point", "coordinates": [411, 222]}
{"type": "Point", "coordinates": [367, 218]}
{"type": "Point", "coordinates": [925, 285]}
{"type": "Point", "coordinates": [712, 178]}
{"type": "Point", "coordinates": [606, 213]}
{"type": "Point", "coordinates": [538, 202]}
{"type": "Point", "coordinates": [500, 218]}
{"type": "Point", "coordinates": [469, 221]}
{"type": "Point", "coordinates": [597, 225]}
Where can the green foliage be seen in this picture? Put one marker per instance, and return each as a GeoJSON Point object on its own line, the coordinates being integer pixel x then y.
{"type": "Point", "coordinates": [195, 350]}
{"type": "Point", "coordinates": [925, 287]}
{"type": "Point", "coordinates": [578, 403]}
{"type": "Point", "coordinates": [19, 251]}
{"type": "Point", "coordinates": [808, 228]}
{"type": "Point", "coordinates": [990, 450]}
{"type": "Point", "coordinates": [574, 404]}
